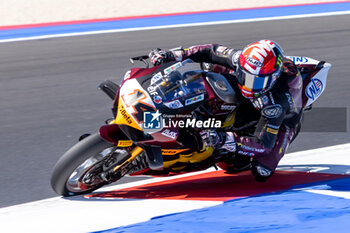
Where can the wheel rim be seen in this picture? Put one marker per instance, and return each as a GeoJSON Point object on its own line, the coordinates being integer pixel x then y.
{"type": "Point", "coordinates": [82, 178]}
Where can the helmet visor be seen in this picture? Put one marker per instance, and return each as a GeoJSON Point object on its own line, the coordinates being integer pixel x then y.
{"type": "Point", "coordinates": [252, 82]}
{"type": "Point", "coordinates": [255, 84]}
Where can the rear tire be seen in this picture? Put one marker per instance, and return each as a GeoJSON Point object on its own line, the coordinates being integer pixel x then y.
{"type": "Point", "coordinates": [72, 159]}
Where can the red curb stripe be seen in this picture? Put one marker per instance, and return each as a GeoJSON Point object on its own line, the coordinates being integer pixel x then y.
{"type": "Point", "coordinates": [217, 186]}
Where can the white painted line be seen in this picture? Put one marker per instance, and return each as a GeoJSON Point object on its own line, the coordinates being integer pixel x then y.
{"type": "Point", "coordinates": [343, 194]}
{"type": "Point", "coordinates": [82, 215]}
{"type": "Point", "coordinates": [152, 180]}
{"type": "Point", "coordinates": [176, 26]}
{"type": "Point", "coordinates": [333, 160]}
{"type": "Point", "coordinates": [325, 189]}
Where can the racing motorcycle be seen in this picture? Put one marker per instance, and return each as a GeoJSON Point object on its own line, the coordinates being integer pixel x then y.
{"type": "Point", "coordinates": [156, 114]}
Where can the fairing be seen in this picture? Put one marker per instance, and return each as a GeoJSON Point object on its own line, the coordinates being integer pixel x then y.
{"type": "Point", "coordinates": [314, 74]}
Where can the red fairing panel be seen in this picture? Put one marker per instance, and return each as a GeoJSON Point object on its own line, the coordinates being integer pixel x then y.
{"type": "Point", "coordinates": [139, 72]}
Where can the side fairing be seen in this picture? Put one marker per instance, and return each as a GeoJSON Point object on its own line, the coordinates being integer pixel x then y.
{"type": "Point", "coordinates": [133, 102]}
{"type": "Point", "coordinates": [315, 80]}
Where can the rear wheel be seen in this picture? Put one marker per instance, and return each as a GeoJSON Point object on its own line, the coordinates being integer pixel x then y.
{"type": "Point", "coordinates": [85, 167]}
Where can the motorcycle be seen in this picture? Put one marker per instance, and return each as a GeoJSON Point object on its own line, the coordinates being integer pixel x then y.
{"type": "Point", "coordinates": [158, 113]}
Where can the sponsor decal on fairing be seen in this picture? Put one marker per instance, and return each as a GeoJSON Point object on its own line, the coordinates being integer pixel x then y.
{"type": "Point", "coordinates": [124, 143]}
{"type": "Point", "coordinates": [314, 88]}
{"type": "Point", "coordinates": [169, 133]}
{"type": "Point", "coordinates": [127, 75]}
{"type": "Point", "coordinates": [157, 99]}
{"type": "Point", "coordinates": [156, 78]}
{"type": "Point", "coordinates": [124, 113]}
{"type": "Point", "coordinates": [228, 107]}
{"type": "Point", "coordinates": [303, 60]}
{"type": "Point", "coordinates": [152, 91]}
{"type": "Point", "coordinates": [300, 59]}
{"type": "Point", "coordinates": [172, 68]}
{"type": "Point", "coordinates": [174, 104]}
{"type": "Point", "coordinates": [195, 99]}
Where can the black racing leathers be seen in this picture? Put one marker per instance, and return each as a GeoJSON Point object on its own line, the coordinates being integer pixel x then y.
{"type": "Point", "coordinates": [279, 108]}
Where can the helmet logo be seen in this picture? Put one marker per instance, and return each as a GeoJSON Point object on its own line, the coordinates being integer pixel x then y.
{"type": "Point", "coordinates": [254, 62]}
{"type": "Point", "coordinates": [255, 56]}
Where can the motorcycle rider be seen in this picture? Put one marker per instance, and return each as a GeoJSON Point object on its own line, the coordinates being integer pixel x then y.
{"type": "Point", "coordinates": [268, 83]}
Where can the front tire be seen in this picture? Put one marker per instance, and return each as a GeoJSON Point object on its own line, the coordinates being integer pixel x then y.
{"type": "Point", "coordinates": [70, 163]}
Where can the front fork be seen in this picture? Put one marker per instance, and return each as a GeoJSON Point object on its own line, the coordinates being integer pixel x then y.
{"type": "Point", "coordinates": [133, 154]}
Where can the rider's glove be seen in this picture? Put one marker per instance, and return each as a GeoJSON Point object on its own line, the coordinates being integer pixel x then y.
{"type": "Point", "coordinates": [211, 138]}
{"type": "Point", "coordinates": [159, 56]}
{"type": "Point", "coordinates": [230, 142]}
{"type": "Point", "coordinates": [261, 172]}
{"type": "Point", "coordinates": [219, 140]}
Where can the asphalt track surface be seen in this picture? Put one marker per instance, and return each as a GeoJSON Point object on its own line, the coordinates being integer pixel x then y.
{"type": "Point", "coordinates": [48, 94]}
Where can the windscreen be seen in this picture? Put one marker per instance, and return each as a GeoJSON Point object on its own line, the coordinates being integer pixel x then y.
{"type": "Point", "coordinates": [179, 87]}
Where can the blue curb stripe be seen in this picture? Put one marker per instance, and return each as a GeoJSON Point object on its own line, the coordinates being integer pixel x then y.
{"type": "Point", "coordinates": [174, 20]}
{"type": "Point", "coordinates": [288, 212]}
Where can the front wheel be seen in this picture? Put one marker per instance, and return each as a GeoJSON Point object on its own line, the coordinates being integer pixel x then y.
{"type": "Point", "coordinates": [84, 167]}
